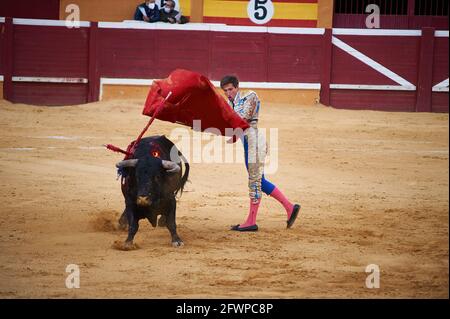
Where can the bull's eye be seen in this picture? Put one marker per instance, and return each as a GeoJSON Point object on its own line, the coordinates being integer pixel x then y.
{"type": "Point", "coordinates": [155, 153]}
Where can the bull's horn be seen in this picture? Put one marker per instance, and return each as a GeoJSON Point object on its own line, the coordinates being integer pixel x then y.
{"type": "Point", "coordinates": [170, 166]}
{"type": "Point", "coordinates": [127, 163]}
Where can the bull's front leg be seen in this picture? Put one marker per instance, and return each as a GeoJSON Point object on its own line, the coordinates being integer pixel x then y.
{"type": "Point", "coordinates": [123, 220]}
{"type": "Point", "coordinates": [133, 226]}
{"type": "Point", "coordinates": [130, 208]}
{"type": "Point", "coordinates": [171, 224]}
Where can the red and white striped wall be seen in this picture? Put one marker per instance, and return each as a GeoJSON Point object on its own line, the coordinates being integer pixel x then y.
{"type": "Point", "coordinates": [44, 62]}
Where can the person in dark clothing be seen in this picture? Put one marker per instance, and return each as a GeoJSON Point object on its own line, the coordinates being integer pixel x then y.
{"type": "Point", "coordinates": [148, 12]}
{"type": "Point", "coordinates": [169, 14]}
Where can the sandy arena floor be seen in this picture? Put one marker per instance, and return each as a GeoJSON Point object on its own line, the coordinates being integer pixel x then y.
{"type": "Point", "coordinates": [373, 188]}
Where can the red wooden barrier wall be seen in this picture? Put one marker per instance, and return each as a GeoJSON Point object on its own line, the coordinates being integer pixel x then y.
{"type": "Point", "coordinates": [45, 52]}
{"type": "Point", "coordinates": [440, 72]}
{"type": "Point", "coordinates": [414, 62]}
{"type": "Point", "coordinates": [256, 57]}
{"type": "Point", "coordinates": [2, 32]}
{"type": "Point", "coordinates": [399, 54]}
{"type": "Point", "coordinates": [294, 58]}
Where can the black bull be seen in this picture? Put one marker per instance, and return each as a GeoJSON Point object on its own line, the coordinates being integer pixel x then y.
{"type": "Point", "coordinates": [151, 180]}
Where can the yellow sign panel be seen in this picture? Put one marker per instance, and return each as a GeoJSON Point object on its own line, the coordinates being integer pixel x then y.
{"type": "Point", "coordinates": [238, 9]}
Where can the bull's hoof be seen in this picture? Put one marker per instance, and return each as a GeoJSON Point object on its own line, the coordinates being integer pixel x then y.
{"type": "Point", "coordinates": [177, 243]}
{"type": "Point", "coordinates": [125, 246]}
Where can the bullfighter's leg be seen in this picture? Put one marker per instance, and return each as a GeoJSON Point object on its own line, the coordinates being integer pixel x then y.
{"type": "Point", "coordinates": [273, 191]}
{"type": "Point", "coordinates": [254, 159]}
{"type": "Point", "coordinates": [292, 210]}
{"type": "Point", "coordinates": [170, 223]}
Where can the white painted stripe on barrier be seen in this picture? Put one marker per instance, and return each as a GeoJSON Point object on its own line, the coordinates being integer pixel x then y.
{"type": "Point", "coordinates": [441, 86]}
{"type": "Point", "coordinates": [131, 24]}
{"type": "Point", "coordinates": [183, 27]}
{"type": "Point", "coordinates": [123, 81]}
{"type": "Point", "coordinates": [244, 85]}
{"type": "Point", "coordinates": [218, 27]}
{"type": "Point", "coordinates": [49, 23]}
{"type": "Point", "coordinates": [275, 85]}
{"type": "Point", "coordinates": [285, 30]}
{"type": "Point", "coordinates": [127, 25]}
{"type": "Point", "coordinates": [372, 87]}
{"type": "Point", "coordinates": [258, 85]}
{"type": "Point", "coordinates": [372, 63]}
{"type": "Point", "coordinates": [441, 34]}
{"type": "Point", "coordinates": [231, 28]}
{"type": "Point", "coordinates": [48, 79]}
{"type": "Point", "coordinates": [378, 32]}
{"type": "Point", "coordinates": [279, 85]}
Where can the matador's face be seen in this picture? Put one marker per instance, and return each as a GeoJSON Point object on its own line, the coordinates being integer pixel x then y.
{"type": "Point", "coordinates": [230, 91]}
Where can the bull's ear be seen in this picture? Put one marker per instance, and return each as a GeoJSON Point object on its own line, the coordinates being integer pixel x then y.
{"type": "Point", "coordinates": [127, 163]}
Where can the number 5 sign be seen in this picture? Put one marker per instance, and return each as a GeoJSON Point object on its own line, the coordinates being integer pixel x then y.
{"type": "Point", "coordinates": [260, 11]}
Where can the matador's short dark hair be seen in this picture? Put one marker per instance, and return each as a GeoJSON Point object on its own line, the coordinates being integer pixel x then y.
{"type": "Point", "coordinates": [227, 79]}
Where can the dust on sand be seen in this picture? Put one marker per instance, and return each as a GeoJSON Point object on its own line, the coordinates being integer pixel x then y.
{"type": "Point", "coordinates": [373, 188]}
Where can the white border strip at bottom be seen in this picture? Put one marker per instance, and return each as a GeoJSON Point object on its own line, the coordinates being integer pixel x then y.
{"type": "Point", "coordinates": [244, 85]}
{"type": "Point", "coordinates": [373, 87]}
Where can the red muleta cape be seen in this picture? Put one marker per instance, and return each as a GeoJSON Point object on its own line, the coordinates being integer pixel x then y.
{"type": "Point", "coordinates": [193, 98]}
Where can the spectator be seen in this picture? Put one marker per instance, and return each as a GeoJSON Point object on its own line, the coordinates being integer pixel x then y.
{"type": "Point", "coordinates": [148, 12]}
{"type": "Point", "coordinates": [169, 14]}
{"type": "Point", "coordinates": [160, 4]}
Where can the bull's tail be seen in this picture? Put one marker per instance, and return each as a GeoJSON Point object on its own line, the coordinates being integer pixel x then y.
{"type": "Point", "coordinates": [185, 177]}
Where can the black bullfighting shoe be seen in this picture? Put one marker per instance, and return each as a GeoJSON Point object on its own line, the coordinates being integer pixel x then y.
{"type": "Point", "coordinates": [294, 215]}
{"type": "Point", "coordinates": [248, 228]}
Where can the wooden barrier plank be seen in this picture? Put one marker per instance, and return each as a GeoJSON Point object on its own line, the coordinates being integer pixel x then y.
{"type": "Point", "coordinates": [327, 57]}
{"type": "Point", "coordinates": [8, 58]}
{"type": "Point", "coordinates": [425, 71]}
{"type": "Point", "coordinates": [94, 76]}
{"type": "Point", "coordinates": [294, 58]}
